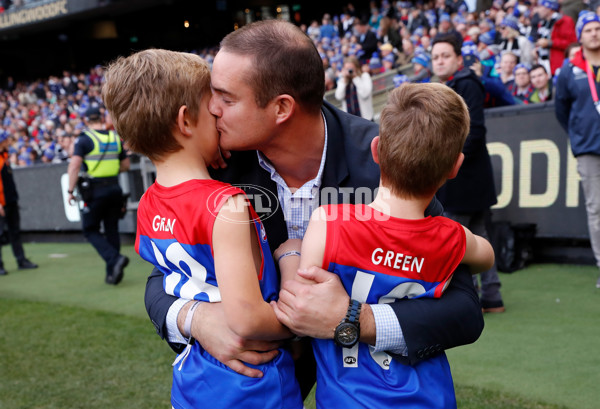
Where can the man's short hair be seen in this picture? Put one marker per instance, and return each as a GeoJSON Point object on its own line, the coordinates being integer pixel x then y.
{"type": "Point", "coordinates": [143, 94]}
{"type": "Point", "coordinates": [450, 38]}
{"type": "Point", "coordinates": [536, 66]}
{"type": "Point", "coordinates": [285, 59]}
{"type": "Point", "coordinates": [423, 128]}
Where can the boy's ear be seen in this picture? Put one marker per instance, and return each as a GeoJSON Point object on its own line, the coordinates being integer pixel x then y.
{"type": "Point", "coordinates": [284, 107]}
{"type": "Point", "coordinates": [183, 121]}
{"type": "Point", "coordinates": [374, 149]}
{"type": "Point", "coordinates": [457, 166]}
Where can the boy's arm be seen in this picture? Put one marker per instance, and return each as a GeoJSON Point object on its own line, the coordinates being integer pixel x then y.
{"type": "Point", "coordinates": [313, 243]}
{"type": "Point", "coordinates": [479, 254]}
{"type": "Point", "coordinates": [287, 256]}
{"type": "Point", "coordinates": [246, 312]}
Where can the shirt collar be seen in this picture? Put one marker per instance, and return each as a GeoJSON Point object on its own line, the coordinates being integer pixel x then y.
{"type": "Point", "coordinates": [266, 164]}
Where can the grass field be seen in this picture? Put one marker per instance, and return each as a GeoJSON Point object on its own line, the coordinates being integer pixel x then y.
{"type": "Point", "coordinates": [70, 341]}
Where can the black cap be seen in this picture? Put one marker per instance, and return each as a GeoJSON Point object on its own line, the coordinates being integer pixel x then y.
{"type": "Point", "coordinates": [92, 113]}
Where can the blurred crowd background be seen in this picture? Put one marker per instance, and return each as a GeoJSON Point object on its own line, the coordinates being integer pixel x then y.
{"type": "Point", "coordinates": [507, 44]}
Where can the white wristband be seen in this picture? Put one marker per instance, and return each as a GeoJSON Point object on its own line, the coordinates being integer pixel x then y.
{"type": "Point", "coordinates": [288, 253]}
{"type": "Point", "coordinates": [187, 326]}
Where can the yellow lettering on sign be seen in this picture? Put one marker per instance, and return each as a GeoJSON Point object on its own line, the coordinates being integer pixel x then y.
{"type": "Point", "coordinates": [504, 195]}
{"type": "Point", "coordinates": [550, 150]}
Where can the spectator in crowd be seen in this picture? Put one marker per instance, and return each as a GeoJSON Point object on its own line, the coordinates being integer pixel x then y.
{"type": "Point", "coordinates": [417, 19]}
{"type": "Point", "coordinates": [522, 88]}
{"type": "Point", "coordinates": [508, 62]}
{"type": "Point", "coordinates": [555, 32]}
{"type": "Point", "coordinates": [495, 92]}
{"type": "Point", "coordinates": [366, 38]}
{"type": "Point", "coordinates": [345, 25]}
{"type": "Point", "coordinates": [389, 33]}
{"type": "Point", "coordinates": [355, 89]}
{"type": "Point", "coordinates": [98, 152]}
{"type": "Point", "coordinates": [540, 80]}
{"type": "Point", "coordinates": [408, 52]}
{"type": "Point", "coordinates": [388, 57]}
{"type": "Point", "coordinates": [327, 29]}
{"type": "Point", "coordinates": [304, 147]}
{"type": "Point", "coordinates": [421, 71]}
{"type": "Point", "coordinates": [313, 31]}
{"type": "Point", "coordinates": [577, 108]}
{"type": "Point", "coordinates": [10, 219]}
{"type": "Point", "coordinates": [468, 197]}
{"type": "Point", "coordinates": [514, 41]}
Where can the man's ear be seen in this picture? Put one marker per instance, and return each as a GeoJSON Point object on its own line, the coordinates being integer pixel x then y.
{"type": "Point", "coordinates": [374, 149]}
{"type": "Point", "coordinates": [457, 166]}
{"type": "Point", "coordinates": [284, 107]}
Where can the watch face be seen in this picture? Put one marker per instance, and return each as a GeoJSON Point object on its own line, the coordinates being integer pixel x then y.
{"type": "Point", "coordinates": [346, 335]}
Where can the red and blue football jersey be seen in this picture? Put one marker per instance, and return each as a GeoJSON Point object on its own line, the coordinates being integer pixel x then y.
{"type": "Point", "coordinates": [380, 259]}
{"type": "Point", "coordinates": [174, 233]}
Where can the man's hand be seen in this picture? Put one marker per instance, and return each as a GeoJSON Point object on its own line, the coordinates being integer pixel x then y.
{"type": "Point", "coordinates": [313, 309]}
{"type": "Point", "coordinates": [210, 329]}
{"type": "Point", "coordinates": [72, 200]}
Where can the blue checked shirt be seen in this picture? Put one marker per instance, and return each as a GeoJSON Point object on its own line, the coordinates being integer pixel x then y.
{"type": "Point", "coordinates": [297, 208]}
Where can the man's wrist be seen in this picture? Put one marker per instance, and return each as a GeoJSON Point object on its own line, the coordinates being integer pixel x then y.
{"type": "Point", "coordinates": [389, 336]}
{"type": "Point", "coordinates": [174, 334]}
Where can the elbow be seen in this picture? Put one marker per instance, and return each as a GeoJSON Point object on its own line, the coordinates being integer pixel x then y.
{"type": "Point", "coordinates": [245, 321]}
{"type": "Point", "coordinates": [245, 328]}
{"type": "Point", "coordinates": [474, 316]}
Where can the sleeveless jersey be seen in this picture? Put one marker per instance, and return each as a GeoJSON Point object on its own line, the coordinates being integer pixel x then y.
{"type": "Point", "coordinates": [174, 233]}
{"type": "Point", "coordinates": [380, 259]}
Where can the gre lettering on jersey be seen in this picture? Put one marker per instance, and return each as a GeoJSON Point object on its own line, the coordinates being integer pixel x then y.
{"type": "Point", "coordinates": [190, 283]}
{"type": "Point", "coordinates": [163, 224]}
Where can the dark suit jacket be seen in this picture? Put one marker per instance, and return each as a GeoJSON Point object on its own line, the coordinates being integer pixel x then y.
{"type": "Point", "coordinates": [429, 326]}
{"type": "Point", "coordinates": [369, 45]}
{"type": "Point", "coordinates": [473, 188]}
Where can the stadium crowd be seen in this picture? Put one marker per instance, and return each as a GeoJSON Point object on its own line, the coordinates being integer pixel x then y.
{"type": "Point", "coordinates": [516, 47]}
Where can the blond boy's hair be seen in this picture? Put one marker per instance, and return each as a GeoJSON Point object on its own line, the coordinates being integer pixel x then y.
{"type": "Point", "coordinates": [423, 128]}
{"type": "Point", "coordinates": [143, 94]}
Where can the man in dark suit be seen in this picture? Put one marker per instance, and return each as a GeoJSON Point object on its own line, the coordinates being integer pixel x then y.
{"type": "Point", "coordinates": [468, 197]}
{"type": "Point", "coordinates": [366, 38]}
{"type": "Point", "coordinates": [289, 144]}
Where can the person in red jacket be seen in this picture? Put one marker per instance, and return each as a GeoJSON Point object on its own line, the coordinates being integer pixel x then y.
{"type": "Point", "coordinates": [555, 33]}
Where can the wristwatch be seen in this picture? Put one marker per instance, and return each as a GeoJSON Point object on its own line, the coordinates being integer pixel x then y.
{"type": "Point", "coordinates": [347, 332]}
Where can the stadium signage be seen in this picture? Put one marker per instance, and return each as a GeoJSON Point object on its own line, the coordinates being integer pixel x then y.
{"type": "Point", "coordinates": [535, 172]}
{"type": "Point", "coordinates": [33, 15]}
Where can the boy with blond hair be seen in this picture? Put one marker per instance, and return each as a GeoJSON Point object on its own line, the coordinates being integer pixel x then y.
{"type": "Point", "coordinates": [201, 233]}
{"type": "Point", "coordinates": [389, 250]}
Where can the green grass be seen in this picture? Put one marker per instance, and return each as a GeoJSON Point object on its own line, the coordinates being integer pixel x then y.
{"type": "Point", "coordinates": [70, 341]}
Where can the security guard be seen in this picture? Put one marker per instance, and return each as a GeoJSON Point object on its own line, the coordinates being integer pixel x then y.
{"type": "Point", "coordinates": [9, 209]}
{"type": "Point", "coordinates": [99, 153]}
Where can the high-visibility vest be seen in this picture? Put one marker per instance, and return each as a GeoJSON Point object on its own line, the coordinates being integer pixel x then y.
{"type": "Point", "coordinates": [103, 161]}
